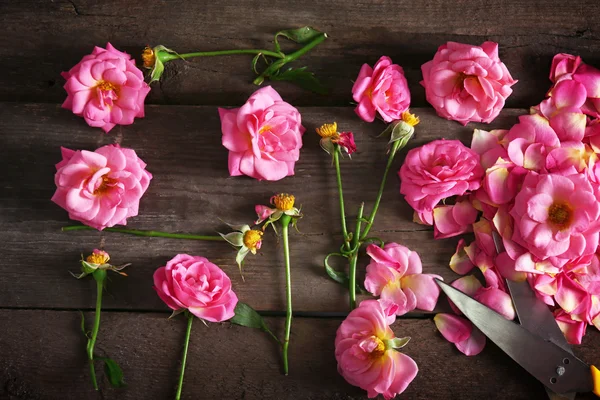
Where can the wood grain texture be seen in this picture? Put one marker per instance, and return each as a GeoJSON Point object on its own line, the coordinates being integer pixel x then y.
{"type": "Point", "coordinates": [43, 357]}
{"type": "Point", "coordinates": [42, 38]}
{"type": "Point", "coordinates": [191, 191]}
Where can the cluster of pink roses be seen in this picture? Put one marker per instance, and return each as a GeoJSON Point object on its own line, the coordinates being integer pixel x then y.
{"type": "Point", "coordinates": [537, 186]}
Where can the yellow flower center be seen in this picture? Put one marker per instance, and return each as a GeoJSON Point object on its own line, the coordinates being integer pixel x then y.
{"type": "Point", "coordinates": [100, 258]}
{"type": "Point", "coordinates": [264, 129]}
{"type": "Point", "coordinates": [148, 57]}
{"type": "Point", "coordinates": [106, 184]}
{"type": "Point", "coordinates": [410, 119]}
{"type": "Point", "coordinates": [252, 238]}
{"type": "Point", "coordinates": [106, 86]}
{"type": "Point", "coordinates": [328, 131]}
{"type": "Point", "coordinates": [284, 201]}
{"type": "Point", "coordinates": [378, 351]}
{"type": "Point", "coordinates": [560, 215]}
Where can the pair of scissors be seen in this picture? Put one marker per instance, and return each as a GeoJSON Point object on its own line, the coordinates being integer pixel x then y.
{"type": "Point", "coordinates": [537, 344]}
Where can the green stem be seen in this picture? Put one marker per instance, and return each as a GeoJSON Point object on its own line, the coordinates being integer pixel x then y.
{"type": "Point", "coordinates": [354, 258]}
{"type": "Point", "coordinates": [99, 276]}
{"type": "Point", "coordinates": [336, 161]}
{"type": "Point", "coordinates": [288, 58]}
{"type": "Point", "coordinates": [185, 351]}
{"type": "Point", "coordinates": [164, 56]}
{"type": "Point", "coordinates": [139, 232]}
{"type": "Point", "coordinates": [285, 221]}
{"type": "Point", "coordinates": [371, 218]}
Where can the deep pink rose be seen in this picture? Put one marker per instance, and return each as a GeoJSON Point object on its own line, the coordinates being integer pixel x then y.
{"type": "Point", "coordinates": [100, 188]}
{"type": "Point", "coordinates": [382, 90]}
{"type": "Point", "coordinates": [263, 137]}
{"type": "Point", "coordinates": [106, 89]}
{"type": "Point", "coordinates": [365, 349]}
{"type": "Point", "coordinates": [467, 83]}
{"type": "Point", "coordinates": [437, 170]}
{"type": "Point", "coordinates": [196, 284]}
{"type": "Point", "coordinates": [346, 142]}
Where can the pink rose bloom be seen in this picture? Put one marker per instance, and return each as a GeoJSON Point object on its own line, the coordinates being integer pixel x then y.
{"type": "Point", "coordinates": [263, 137]}
{"type": "Point", "coordinates": [106, 89]}
{"type": "Point", "coordinates": [196, 284]}
{"type": "Point", "coordinates": [346, 142]}
{"type": "Point", "coordinates": [100, 188]}
{"type": "Point", "coordinates": [438, 170]}
{"type": "Point", "coordinates": [382, 90]}
{"type": "Point", "coordinates": [395, 274]}
{"type": "Point", "coordinates": [366, 351]}
{"type": "Point", "coordinates": [567, 67]}
{"type": "Point", "coordinates": [467, 83]}
{"type": "Point", "coordinates": [553, 219]}
{"type": "Point", "coordinates": [530, 141]}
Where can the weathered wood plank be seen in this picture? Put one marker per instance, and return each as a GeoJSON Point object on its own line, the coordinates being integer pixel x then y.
{"type": "Point", "coordinates": [43, 357]}
{"type": "Point", "coordinates": [190, 191]}
{"type": "Point", "coordinates": [43, 38]}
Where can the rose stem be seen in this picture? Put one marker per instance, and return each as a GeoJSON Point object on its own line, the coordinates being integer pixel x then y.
{"type": "Point", "coordinates": [99, 276]}
{"type": "Point", "coordinates": [285, 221]}
{"type": "Point", "coordinates": [354, 258]}
{"type": "Point", "coordinates": [336, 161]}
{"type": "Point", "coordinates": [164, 57]}
{"type": "Point", "coordinates": [139, 232]}
{"type": "Point", "coordinates": [185, 351]}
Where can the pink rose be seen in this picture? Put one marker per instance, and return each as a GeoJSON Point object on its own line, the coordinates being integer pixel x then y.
{"type": "Point", "coordinates": [263, 137]}
{"type": "Point", "coordinates": [395, 274]}
{"type": "Point", "coordinates": [553, 219]}
{"type": "Point", "coordinates": [106, 89]}
{"type": "Point", "coordinates": [467, 83]}
{"type": "Point", "coordinates": [101, 188]}
{"type": "Point", "coordinates": [382, 89]}
{"type": "Point", "coordinates": [438, 170]}
{"type": "Point", "coordinates": [346, 142]}
{"type": "Point", "coordinates": [365, 349]}
{"type": "Point", "coordinates": [567, 67]}
{"type": "Point", "coordinates": [196, 284]}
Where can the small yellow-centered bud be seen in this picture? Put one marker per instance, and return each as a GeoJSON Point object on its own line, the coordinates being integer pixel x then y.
{"type": "Point", "coordinates": [410, 119]}
{"type": "Point", "coordinates": [328, 131]}
{"type": "Point", "coordinates": [253, 240]}
{"type": "Point", "coordinates": [284, 201]}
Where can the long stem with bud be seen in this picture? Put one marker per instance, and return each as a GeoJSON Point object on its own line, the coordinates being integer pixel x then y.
{"type": "Point", "coordinates": [140, 232]}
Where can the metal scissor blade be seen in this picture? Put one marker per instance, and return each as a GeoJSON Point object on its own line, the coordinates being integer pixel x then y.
{"type": "Point", "coordinates": [540, 357]}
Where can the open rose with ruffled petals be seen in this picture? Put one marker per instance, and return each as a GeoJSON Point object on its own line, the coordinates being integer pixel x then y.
{"type": "Point", "coordinates": [438, 170]}
{"type": "Point", "coordinates": [553, 218]}
{"type": "Point", "coordinates": [382, 89]}
{"type": "Point", "coordinates": [106, 89]}
{"type": "Point", "coordinates": [195, 284]}
{"type": "Point", "coordinates": [263, 137]}
{"type": "Point", "coordinates": [100, 188]}
{"type": "Point", "coordinates": [467, 83]}
{"type": "Point", "coordinates": [395, 274]}
{"type": "Point", "coordinates": [366, 351]}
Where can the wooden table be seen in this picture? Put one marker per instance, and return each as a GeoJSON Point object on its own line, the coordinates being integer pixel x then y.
{"type": "Point", "coordinates": [42, 350]}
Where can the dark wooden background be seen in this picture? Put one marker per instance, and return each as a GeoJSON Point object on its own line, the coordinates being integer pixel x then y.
{"type": "Point", "coordinates": [42, 351]}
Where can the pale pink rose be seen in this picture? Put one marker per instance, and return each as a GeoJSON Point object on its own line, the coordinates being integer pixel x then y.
{"type": "Point", "coordinates": [467, 83]}
{"type": "Point", "coordinates": [553, 219]}
{"type": "Point", "coordinates": [196, 284]}
{"type": "Point", "coordinates": [106, 89]}
{"type": "Point", "coordinates": [100, 188]}
{"type": "Point", "coordinates": [367, 355]}
{"type": "Point", "coordinates": [453, 220]}
{"type": "Point", "coordinates": [382, 89]}
{"type": "Point", "coordinates": [438, 170]}
{"type": "Point", "coordinates": [395, 274]}
{"type": "Point", "coordinates": [263, 137]}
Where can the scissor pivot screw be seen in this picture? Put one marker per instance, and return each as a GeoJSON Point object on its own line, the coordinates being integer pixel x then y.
{"type": "Point", "coordinates": [560, 370]}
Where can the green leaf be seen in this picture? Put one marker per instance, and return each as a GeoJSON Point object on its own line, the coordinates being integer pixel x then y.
{"type": "Point", "coordinates": [397, 343]}
{"type": "Point", "coordinates": [301, 35]}
{"type": "Point", "coordinates": [247, 316]}
{"type": "Point", "coordinates": [301, 77]}
{"type": "Point", "coordinates": [113, 372]}
{"type": "Point", "coordinates": [339, 276]}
